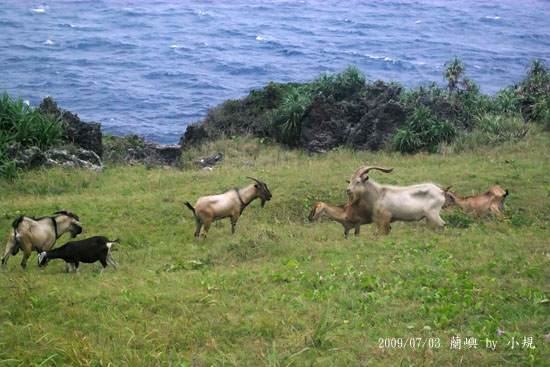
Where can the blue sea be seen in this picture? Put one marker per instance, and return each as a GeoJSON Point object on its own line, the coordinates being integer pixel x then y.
{"type": "Point", "coordinates": [153, 67]}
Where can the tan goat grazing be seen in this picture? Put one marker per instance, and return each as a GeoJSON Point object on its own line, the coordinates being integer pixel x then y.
{"type": "Point", "coordinates": [395, 203]}
{"type": "Point", "coordinates": [350, 215]}
{"type": "Point", "coordinates": [30, 234]}
{"type": "Point", "coordinates": [490, 200]}
{"type": "Point", "coordinates": [229, 204]}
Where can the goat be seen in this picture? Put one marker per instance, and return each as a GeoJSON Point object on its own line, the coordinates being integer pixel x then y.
{"type": "Point", "coordinates": [39, 234]}
{"type": "Point", "coordinates": [229, 204]}
{"type": "Point", "coordinates": [88, 250]}
{"type": "Point", "coordinates": [395, 203]}
{"type": "Point", "coordinates": [350, 215]}
{"type": "Point", "coordinates": [491, 199]}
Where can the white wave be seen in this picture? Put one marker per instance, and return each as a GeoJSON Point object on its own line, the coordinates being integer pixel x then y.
{"type": "Point", "coordinates": [374, 57]}
{"type": "Point", "coordinates": [72, 25]}
{"type": "Point", "coordinates": [259, 38]}
{"type": "Point", "coordinates": [418, 22]}
{"type": "Point", "coordinates": [27, 102]}
{"type": "Point", "coordinates": [40, 9]}
{"type": "Point", "coordinates": [202, 13]}
{"type": "Point", "coordinates": [48, 42]}
{"type": "Point", "coordinates": [205, 43]}
{"type": "Point", "coordinates": [175, 46]}
{"type": "Point", "coordinates": [495, 17]}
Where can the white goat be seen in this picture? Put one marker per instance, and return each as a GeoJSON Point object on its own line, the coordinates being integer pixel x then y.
{"type": "Point", "coordinates": [392, 203]}
{"type": "Point", "coordinates": [40, 234]}
{"type": "Point", "coordinates": [229, 204]}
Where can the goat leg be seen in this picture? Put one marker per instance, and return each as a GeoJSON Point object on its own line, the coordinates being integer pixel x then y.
{"type": "Point", "coordinates": [27, 248]}
{"type": "Point", "coordinates": [198, 229]}
{"type": "Point", "coordinates": [112, 261]}
{"type": "Point", "coordinates": [12, 248]}
{"type": "Point", "coordinates": [234, 219]}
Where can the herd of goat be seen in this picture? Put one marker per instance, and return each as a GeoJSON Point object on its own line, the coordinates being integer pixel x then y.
{"type": "Point", "coordinates": [368, 202]}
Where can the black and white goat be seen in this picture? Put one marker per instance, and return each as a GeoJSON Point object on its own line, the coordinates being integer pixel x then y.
{"type": "Point", "coordinates": [88, 250]}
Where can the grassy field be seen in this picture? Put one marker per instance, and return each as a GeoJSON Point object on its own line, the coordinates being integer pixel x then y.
{"type": "Point", "coordinates": [283, 291]}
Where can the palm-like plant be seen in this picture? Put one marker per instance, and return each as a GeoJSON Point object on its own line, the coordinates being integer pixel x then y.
{"type": "Point", "coordinates": [454, 69]}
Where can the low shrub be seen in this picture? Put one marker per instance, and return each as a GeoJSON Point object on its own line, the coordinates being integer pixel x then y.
{"type": "Point", "coordinates": [20, 123]}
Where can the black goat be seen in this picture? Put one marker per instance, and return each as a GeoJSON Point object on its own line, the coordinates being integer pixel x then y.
{"type": "Point", "coordinates": [88, 250]}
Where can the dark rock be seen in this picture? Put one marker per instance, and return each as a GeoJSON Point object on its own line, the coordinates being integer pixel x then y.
{"type": "Point", "coordinates": [194, 134]}
{"type": "Point", "coordinates": [324, 126]}
{"type": "Point", "coordinates": [26, 157]}
{"type": "Point", "coordinates": [441, 106]}
{"type": "Point", "coordinates": [380, 92]}
{"type": "Point", "coordinates": [169, 153]}
{"type": "Point", "coordinates": [131, 149]}
{"type": "Point", "coordinates": [83, 134]}
{"type": "Point", "coordinates": [360, 123]}
{"type": "Point", "coordinates": [376, 125]}
{"type": "Point", "coordinates": [210, 160]}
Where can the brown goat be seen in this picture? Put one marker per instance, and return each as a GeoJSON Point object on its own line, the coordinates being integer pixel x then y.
{"type": "Point", "coordinates": [491, 199]}
{"type": "Point", "coordinates": [350, 215]}
{"type": "Point", "coordinates": [29, 234]}
{"type": "Point", "coordinates": [229, 204]}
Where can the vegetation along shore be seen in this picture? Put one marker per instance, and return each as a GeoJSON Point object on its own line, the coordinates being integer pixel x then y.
{"type": "Point", "coordinates": [283, 291]}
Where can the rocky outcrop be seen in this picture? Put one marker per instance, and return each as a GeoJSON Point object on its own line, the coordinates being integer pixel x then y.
{"type": "Point", "coordinates": [83, 158]}
{"type": "Point", "coordinates": [132, 149]}
{"type": "Point", "coordinates": [82, 134]}
{"type": "Point", "coordinates": [361, 123]}
{"type": "Point", "coordinates": [195, 134]}
{"type": "Point", "coordinates": [34, 157]}
{"type": "Point", "coordinates": [376, 125]}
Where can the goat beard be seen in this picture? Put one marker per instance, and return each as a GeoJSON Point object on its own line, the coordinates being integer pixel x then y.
{"type": "Point", "coordinates": [263, 203]}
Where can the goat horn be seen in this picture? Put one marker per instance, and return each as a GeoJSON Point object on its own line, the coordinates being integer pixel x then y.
{"type": "Point", "coordinates": [255, 179]}
{"type": "Point", "coordinates": [448, 188]}
{"type": "Point", "coordinates": [365, 169]}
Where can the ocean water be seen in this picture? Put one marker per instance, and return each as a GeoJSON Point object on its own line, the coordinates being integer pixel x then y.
{"type": "Point", "coordinates": [153, 67]}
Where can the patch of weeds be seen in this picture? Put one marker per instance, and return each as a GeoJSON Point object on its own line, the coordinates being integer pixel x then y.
{"type": "Point", "coordinates": [520, 220]}
{"type": "Point", "coordinates": [320, 337]}
{"type": "Point", "coordinates": [188, 264]}
{"type": "Point", "coordinates": [263, 244]}
{"type": "Point", "coordinates": [458, 219]}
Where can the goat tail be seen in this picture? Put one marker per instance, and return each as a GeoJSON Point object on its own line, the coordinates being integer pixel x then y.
{"type": "Point", "coordinates": [16, 222]}
{"type": "Point", "coordinates": [197, 219]}
{"type": "Point", "coordinates": [187, 204]}
{"type": "Point", "coordinates": [111, 243]}
{"type": "Point", "coordinates": [14, 225]}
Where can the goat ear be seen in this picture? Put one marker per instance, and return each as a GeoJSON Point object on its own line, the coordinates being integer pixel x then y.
{"type": "Point", "coordinates": [366, 178]}
{"type": "Point", "coordinates": [255, 185]}
{"type": "Point", "coordinates": [348, 181]}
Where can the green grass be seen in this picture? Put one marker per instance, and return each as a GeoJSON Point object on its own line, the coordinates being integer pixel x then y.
{"type": "Point", "coordinates": [283, 291]}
